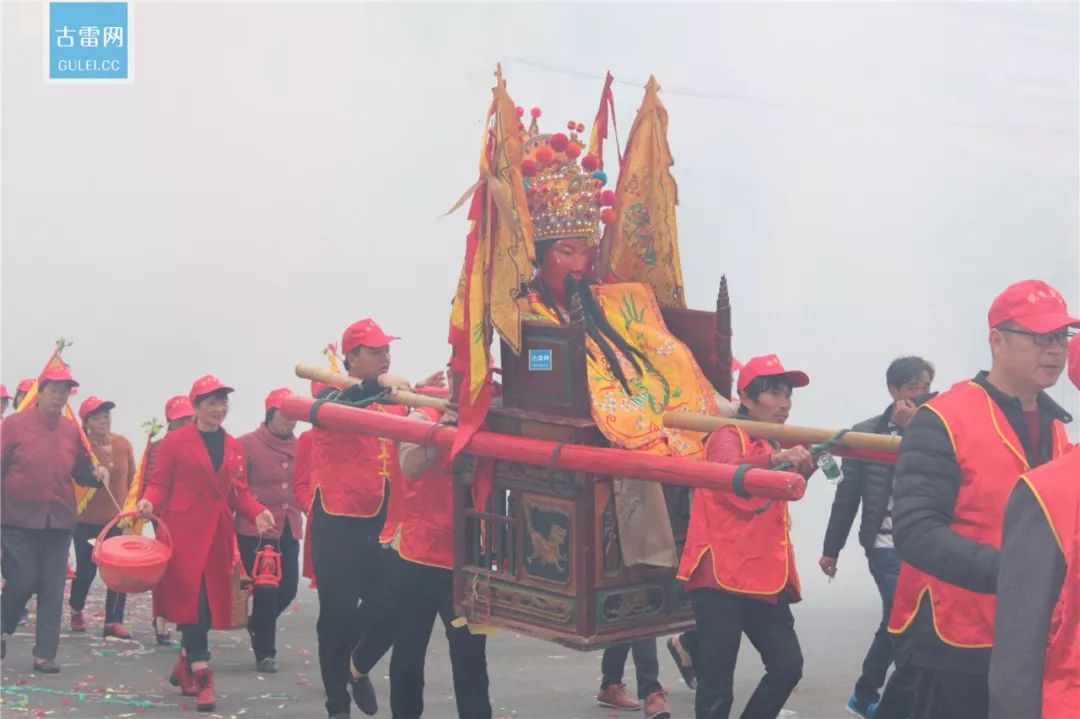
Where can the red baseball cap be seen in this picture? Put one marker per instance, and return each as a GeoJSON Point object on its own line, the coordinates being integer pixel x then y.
{"type": "Point", "coordinates": [58, 373]}
{"type": "Point", "coordinates": [24, 386]}
{"type": "Point", "coordinates": [206, 385]}
{"type": "Point", "coordinates": [93, 404]}
{"type": "Point", "coordinates": [1034, 305]}
{"type": "Point", "coordinates": [364, 332]}
{"type": "Point", "coordinates": [769, 366]}
{"type": "Point", "coordinates": [1074, 361]}
{"type": "Point", "coordinates": [4, 393]}
{"type": "Point", "coordinates": [275, 398]}
{"type": "Point", "coordinates": [178, 407]}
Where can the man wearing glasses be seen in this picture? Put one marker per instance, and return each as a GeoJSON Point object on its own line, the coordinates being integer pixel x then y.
{"type": "Point", "coordinates": [958, 464]}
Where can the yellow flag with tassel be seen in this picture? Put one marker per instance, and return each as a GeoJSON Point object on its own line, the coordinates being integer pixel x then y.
{"type": "Point", "coordinates": [642, 245]}
{"type": "Point", "coordinates": [151, 427]}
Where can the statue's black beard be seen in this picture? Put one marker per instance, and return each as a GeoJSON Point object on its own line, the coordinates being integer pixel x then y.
{"type": "Point", "coordinates": [597, 327]}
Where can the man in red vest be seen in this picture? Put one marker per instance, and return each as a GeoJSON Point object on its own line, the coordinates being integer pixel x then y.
{"type": "Point", "coordinates": [957, 465]}
{"type": "Point", "coordinates": [1035, 665]}
{"type": "Point", "coordinates": [347, 475]}
{"type": "Point", "coordinates": [416, 584]}
{"type": "Point", "coordinates": [738, 562]}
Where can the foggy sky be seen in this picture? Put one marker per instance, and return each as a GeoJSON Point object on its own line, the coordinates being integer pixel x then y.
{"type": "Point", "coordinates": [868, 176]}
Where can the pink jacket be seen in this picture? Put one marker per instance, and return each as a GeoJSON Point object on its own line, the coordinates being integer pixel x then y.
{"type": "Point", "coordinates": [270, 476]}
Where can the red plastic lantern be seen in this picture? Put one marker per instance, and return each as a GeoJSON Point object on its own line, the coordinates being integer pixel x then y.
{"type": "Point", "coordinates": [266, 570]}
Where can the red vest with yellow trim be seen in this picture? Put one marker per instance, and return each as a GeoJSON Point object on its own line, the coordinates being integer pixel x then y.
{"type": "Point", "coordinates": [1057, 487]}
{"type": "Point", "coordinates": [350, 470]}
{"type": "Point", "coordinates": [420, 513]}
{"type": "Point", "coordinates": [750, 547]}
{"type": "Point", "coordinates": [990, 457]}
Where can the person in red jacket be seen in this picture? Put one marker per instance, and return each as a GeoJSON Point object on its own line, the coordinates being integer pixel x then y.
{"type": "Point", "coordinates": [738, 562]}
{"type": "Point", "coordinates": [347, 480]}
{"type": "Point", "coordinates": [416, 585]}
{"type": "Point", "coordinates": [198, 482]}
{"type": "Point", "coordinates": [271, 457]}
{"type": "Point", "coordinates": [1035, 663]}
{"type": "Point", "coordinates": [40, 454]}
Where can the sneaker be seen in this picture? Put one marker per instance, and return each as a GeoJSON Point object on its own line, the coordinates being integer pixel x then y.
{"type": "Point", "coordinates": [116, 629]}
{"type": "Point", "coordinates": [858, 708]}
{"type": "Point", "coordinates": [78, 624]}
{"type": "Point", "coordinates": [685, 670]}
{"type": "Point", "coordinates": [614, 696]}
{"type": "Point", "coordinates": [656, 706]}
{"type": "Point", "coordinates": [266, 665]}
{"type": "Point", "coordinates": [363, 693]}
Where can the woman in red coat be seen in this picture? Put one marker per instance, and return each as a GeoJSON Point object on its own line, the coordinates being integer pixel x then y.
{"type": "Point", "coordinates": [198, 483]}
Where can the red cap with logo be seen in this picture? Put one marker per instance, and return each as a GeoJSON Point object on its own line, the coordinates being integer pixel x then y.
{"type": "Point", "coordinates": [178, 407]}
{"type": "Point", "coordinates": [58, 373]}
{"type": "Point", "coordinates": [364, 332]}
{"type": "Point", "coordinates": [276, 397]}
{"type": "Point", "coordinates": [1074, 361]}
{"type": "Point", "coordinates": [206, 385]}
{"type": "Point", "coordinates": [769, 366]}
{"type": "Point", "coordinates": [93, 404]}
{"type": "Point", "coordinates": [24, 386]}
{"type": "Point", "coordinates": [1032, 304]}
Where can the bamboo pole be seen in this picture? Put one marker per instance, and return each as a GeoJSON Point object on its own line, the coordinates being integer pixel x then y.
{"type": "Point", "coordinates": [784, 433]}
{"type": "Point", "coordinates": [315, 372]}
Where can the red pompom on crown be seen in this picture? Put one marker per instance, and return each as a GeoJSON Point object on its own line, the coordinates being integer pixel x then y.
{"type": "Point", "coordinates": [544, 155]}
{"type": "Point", "coordinates": [559, 142]}
{"type": "Point", "coordinates": [590, 162]}
{"type": "Point", "coordinates": [535, 112]}
{"type": "Point", "coordinates": [607, 215]}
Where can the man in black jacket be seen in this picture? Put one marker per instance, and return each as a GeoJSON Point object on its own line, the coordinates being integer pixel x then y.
{"type": "Point", "coordinates": [870, 484]}
{"type": "Point", "coordinates": [956, 468]}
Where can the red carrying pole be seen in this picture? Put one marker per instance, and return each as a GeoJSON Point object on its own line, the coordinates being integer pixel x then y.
{"type": "Point", "coordinates": [765, 483]}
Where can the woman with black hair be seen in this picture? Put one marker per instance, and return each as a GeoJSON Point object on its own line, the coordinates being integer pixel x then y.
{"type": "Point", "coordinates": [738, 563]}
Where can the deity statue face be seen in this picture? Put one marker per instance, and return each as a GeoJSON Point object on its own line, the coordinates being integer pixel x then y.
{"type": "Point", "coordinates": [564, 258]}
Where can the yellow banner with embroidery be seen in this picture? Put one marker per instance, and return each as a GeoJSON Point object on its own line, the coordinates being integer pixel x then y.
{"type": "Point", "coordinates": [642, 245]}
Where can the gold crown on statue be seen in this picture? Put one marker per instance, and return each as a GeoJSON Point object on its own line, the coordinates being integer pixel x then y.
{"type": "Point", "coordinates": [566, 198]}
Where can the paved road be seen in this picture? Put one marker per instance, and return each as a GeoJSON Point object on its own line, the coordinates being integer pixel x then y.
{"type": "Point", "coordinates": [530, 679]}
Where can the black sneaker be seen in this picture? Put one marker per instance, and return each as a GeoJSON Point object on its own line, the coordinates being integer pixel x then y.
{"type": "Point", "coordinates": [363, 693]}
{"type": "Point", "coordinates": [266, 665]}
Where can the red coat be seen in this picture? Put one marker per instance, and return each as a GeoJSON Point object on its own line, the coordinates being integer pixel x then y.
{"type": "Point", "coordinates": [197, 505]}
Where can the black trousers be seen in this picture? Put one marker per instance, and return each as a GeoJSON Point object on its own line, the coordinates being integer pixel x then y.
{"type": "Point", "coordinates": [86, 571]}
{"type": "Point", "coordinates": [268, 604]}
{"type": "Point", "coordinates": [195, 638]}
{"type": "Point", "coordinates": [647, 666]}
{"type": "Point", "coordinates": [35, 562]}
{"type": "Point", "coordinates": [950, 695]}
{"type": "Point", "coordinates": [404, 606]}
{"type": "Point", "coordinates": [722, 619]}
{"type": "Point", "coordinates": [344, 552]}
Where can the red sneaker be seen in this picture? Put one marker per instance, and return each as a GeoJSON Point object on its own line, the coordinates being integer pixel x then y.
{"type": "Point", "coordinates": [116, 629]}
{"type": "Point", "coordinates": [78, 624]}
{"type": "Point", "coordinates": [614, 696]}
{"type": "Point", "coordinates": [182, 677]}
{"type": "Point", "coordinates": [205, 701]}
